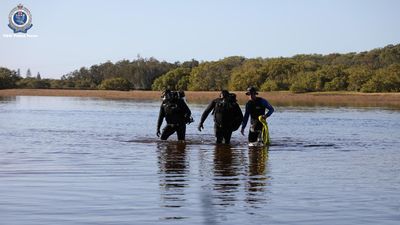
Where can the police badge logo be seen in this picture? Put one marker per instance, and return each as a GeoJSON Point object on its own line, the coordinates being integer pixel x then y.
{"type": "Point", "coordinates": [20, 19]}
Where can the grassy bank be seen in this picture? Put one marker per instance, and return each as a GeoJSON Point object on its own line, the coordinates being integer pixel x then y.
{"type": "Point", "coordinates": [276, 98]}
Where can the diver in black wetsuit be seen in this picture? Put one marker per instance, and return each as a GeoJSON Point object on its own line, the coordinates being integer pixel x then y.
{"type": "Point", "coordinates": [227, 116]}
{"type": "Point", "coordinates": [255, 107]}
{"type": "Point", "coordinates": [176, 113]}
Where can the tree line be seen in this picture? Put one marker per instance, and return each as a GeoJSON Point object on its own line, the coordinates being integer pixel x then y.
{"type": "Point", "coordinates": [377, 70]}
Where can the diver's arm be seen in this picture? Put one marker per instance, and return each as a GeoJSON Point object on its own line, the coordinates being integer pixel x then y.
{"type": "Point", "coordinates": [207, 111]}
{"type": "Point", "coordinates": [268, 106]}
{"type": "Point", "coordinates": [245, 119]}
{"type": "Point", "coordinates": [161, 116]}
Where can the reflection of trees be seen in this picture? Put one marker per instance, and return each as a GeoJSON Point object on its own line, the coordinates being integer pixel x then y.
{"type": "Point", "coordinates": [173, 170]}
{"type": "Point", "coordinates": [227, 166]}
{"type": "Point", "coordinates": [257, 175]}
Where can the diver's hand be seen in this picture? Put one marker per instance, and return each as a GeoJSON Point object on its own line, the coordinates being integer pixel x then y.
{"type": "Point", "coordinates": [242, 131]}
{"type": "Point", "coordinates": [158, 133]}
{"type": "Point", "coordinates": [264, 117]}
{"type": "Point", "coordinates": [200, 127]}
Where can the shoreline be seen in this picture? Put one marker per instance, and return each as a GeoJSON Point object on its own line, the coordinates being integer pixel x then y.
{"type": "Point", "coordinates": [278, 98]}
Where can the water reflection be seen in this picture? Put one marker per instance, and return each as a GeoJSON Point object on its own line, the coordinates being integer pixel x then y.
{"type": "Point", "coordinates": [229, 177]}
{"type": "Point", "coordinates": [7, 99]}
{"type": "Point", "coordinates": [257, 180]}
{"type": "Point", "coordinates": [315, 176]}
{"type": "Point", "coordinates": [232, 170]}
{"type": "Point", "coordinates": [173, 170]}
{"type": "Point", "coordinates": [227, 167]}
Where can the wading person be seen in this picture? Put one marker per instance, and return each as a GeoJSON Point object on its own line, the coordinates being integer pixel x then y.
{"type": "Point", "coordinates": [176, 113]}
{"type": "Point", "coordinates": [227, 116]}
{"type": "Point", "coordinates": [255, 107]}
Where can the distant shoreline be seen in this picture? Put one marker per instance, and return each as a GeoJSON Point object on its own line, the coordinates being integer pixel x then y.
{"type": "Point", "coordinates": [280, 98]}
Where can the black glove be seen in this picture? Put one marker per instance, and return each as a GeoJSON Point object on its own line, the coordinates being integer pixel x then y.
{"type": "Point", "coordinates": [158, 133]}
{"type": "Point", "coordinates": [200, 127]}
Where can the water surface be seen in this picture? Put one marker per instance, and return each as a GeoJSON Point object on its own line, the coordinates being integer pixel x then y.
{"type": "Point", "coordinates": [94, 161]}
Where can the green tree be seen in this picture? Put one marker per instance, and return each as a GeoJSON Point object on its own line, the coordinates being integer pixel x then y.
{"type": "Point", "coordinates": [34, 83]}
{"type": "Point", "coordinates": [56, 84]}
{"type": "Point", "coordinates": [331, 78]}
{"type": "Point", "coordinates": [8, 78]}
{"type": "Point", "coordinates": [213, 76]}
{"type": "Point", "coordinates": [140, 73]}
{"type": "Point", "coordinates": [190, 64]}
{"type": "Point", "coordinates": [176, 79]}
{"type": "Point", "coordinates": [384, 80]}
{"type": "Point", "coordinates": [183, 83]}
{"type": "Point", "coordinates": [250, 73]}
{"type": "Point", "coordinates": [118, 83]}
{"type": "Point", "coordinates": [305, 82]}
{"type": "Point", "coordinates": [301, 73]}
{"type": "Point", "coordinates": [28, 73]}
{"type": "Point", "coordinates": [358, 76]}
{"type": "Point", "coordinates": [269, 85]}
{"type": "Point", "coordinates": [279, 71]}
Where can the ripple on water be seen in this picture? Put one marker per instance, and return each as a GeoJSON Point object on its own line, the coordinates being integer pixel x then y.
{"type": "Point", "coordinates": [93, 161]}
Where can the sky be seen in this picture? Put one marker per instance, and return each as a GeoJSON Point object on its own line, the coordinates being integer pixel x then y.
{"type": "Point", "coordinates": [70, 34]}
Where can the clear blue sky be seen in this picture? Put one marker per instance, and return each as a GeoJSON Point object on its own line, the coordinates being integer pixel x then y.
{"type": "Point", "coordinates": [76, 33]}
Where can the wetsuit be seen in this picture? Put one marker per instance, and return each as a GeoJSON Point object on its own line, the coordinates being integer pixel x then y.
{"type": "Point", "coordinates": [254, 109]}
{"type": "Point", "coordinates": [176, 112]}
{"type": "Point", "coordinates": [224, 115]}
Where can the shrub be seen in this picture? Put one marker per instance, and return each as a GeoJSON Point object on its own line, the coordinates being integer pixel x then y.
{"type": "Point", "coordinates": [304, 82]}
{"type": "Point", "coordinates": [8, 78]}
{"type": "Point", "coordinates": [118, 83]}
{"type": "Point", "coordinates": [384, 80]}
{"type": "Point", "coordinates": [33, 83]}
{"type": "Point", "coordinates": [177, 79]}
{"type": "Point", "coordinates": [269, 85]}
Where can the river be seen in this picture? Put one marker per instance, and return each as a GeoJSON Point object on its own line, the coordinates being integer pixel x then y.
{"type": "Point", "coordinates": [66, 160]}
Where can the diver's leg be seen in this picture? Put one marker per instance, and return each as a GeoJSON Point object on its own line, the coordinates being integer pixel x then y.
{"type": "Point", "coordinates": [218, 133]}
{"type": "Point", "coordinates": [227, 136]}
{"type": "Point", "coordinates": [253, 136]}
{"type": "Point", "coordinates": [167, 131]}
{"type": "Point", "coordinates": [255, 131]}
{"type": "Point", "coordinates": [181, 132]}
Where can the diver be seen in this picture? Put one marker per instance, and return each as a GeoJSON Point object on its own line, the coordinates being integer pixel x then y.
{"type": "Point", "coordinates": [255, 107]}
{"type": "Point", "coordinates": [227, 116]}
{"type": "Point", "coordinates": [176, 113]}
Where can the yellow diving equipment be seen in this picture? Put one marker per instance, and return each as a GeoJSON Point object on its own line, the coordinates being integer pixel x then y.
{"type": "Point", "coordinates": [265, 131]}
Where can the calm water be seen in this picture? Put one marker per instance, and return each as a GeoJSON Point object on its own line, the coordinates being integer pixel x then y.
{"type": "Point", "coordinates": [94, 161]}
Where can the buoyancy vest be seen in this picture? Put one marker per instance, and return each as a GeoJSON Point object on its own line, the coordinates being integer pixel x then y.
{"type": "Point", "coordinates": [174, 112]}
{"type": "Point", "coordinates": [171, 107]}
{"type": "Point", "coordinates": [227, 113]}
